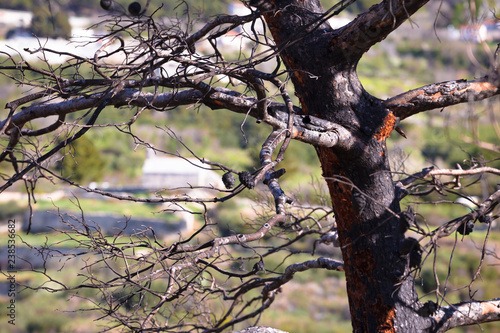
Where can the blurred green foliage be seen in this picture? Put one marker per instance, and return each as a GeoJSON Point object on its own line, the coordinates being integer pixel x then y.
{"type": "Point", "coordinates": [16, 4]}
{"type": "Point", "coordinates": [82, 161]}
{"type": "Point", "coordinates": [110, 206]}
{"type": "Point", "coordinates": [463, 269]}
{"type": "Point", "coordinates": [10, 209]}
{"type": "Point", "coordinates": [52, 24]}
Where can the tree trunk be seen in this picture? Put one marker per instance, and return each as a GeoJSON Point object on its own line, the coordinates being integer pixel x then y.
{"type": "Point", "coordinates": [381, 294]}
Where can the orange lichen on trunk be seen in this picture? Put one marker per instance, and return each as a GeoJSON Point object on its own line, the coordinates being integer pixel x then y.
{"type": "Point", "coordinates": [388, 325]}
{"type": "Point", "coordinates": [340, 192]}
{"type": "Point", "coordinates": [219, 103]}
{"type": "Point", "coordinates": [385, 131]}
{"type": "Point", "coordinates": [359, 264]}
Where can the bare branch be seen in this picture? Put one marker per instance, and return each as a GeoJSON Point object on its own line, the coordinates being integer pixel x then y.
{"type": "Point", "coordinates": [440, 95]}
{"type": "Point", "coordinates": [290, 271]}
{"type": "Point", "coordinates": [467, 313]}
{"type": "Point", "coordinates": [375, 25]}
{"type": "Point", "coordinates": [233, 21]}
{"type": "Point", "coordinates": [461, 172]}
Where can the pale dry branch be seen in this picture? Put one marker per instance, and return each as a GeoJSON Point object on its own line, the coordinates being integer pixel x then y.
{"type": "Point", "coordinates": [440, 95]}
{"type": "Point", "coordinates": [467, 313]}
{"type": "Point", "coordinates": [461, 172]}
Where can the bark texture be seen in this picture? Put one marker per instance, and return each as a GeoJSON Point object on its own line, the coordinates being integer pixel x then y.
{"type": "Point", "coordinates": [323, 66]}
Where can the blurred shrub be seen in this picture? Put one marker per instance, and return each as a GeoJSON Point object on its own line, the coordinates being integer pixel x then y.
{"type": "Point", "coordinates": [83, 162]}
{"type": "Point", "coordinates": [50, 24]}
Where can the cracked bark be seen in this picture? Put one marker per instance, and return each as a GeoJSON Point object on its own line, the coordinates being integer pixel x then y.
{"type": "Point", "coordinates": [323, 65]}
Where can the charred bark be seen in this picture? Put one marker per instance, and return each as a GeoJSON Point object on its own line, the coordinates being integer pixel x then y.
{"type": "Point", "coordinates": [322, 62]}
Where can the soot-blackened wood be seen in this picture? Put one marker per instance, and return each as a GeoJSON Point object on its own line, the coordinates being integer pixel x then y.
{"type": "Point", "coordinates": [381, 293]}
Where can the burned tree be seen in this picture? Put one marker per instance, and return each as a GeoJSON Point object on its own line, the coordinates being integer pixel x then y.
{"type": "Point", "coordinates": [347, 127]}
